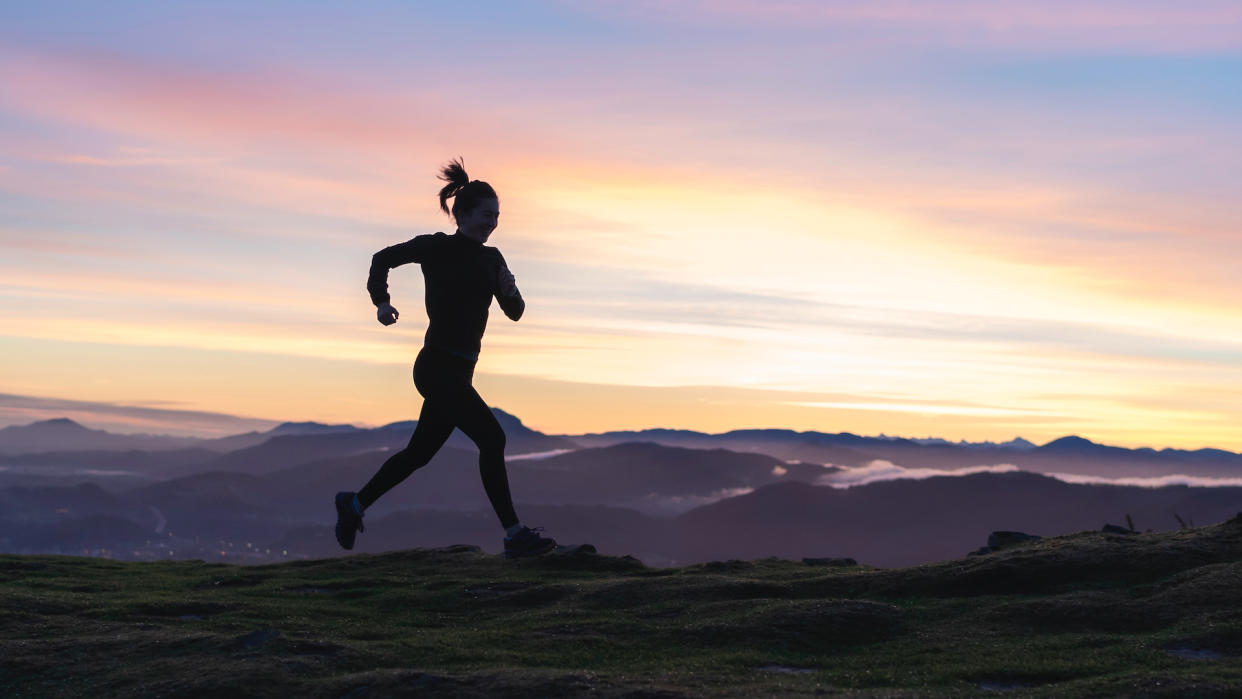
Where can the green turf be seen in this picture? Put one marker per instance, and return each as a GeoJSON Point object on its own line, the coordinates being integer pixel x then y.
{"type": "Point", "coordinates": [1088, 614]}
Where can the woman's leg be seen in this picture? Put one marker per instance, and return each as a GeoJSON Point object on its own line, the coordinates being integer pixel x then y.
{"type": "Point", "coordinates": [435, 424]}
{"type": "Point", "coordinates": [474, 418]}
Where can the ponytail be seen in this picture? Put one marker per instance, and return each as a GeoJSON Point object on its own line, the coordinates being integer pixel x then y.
{"type": "Point", "coordinates": [465, 194]}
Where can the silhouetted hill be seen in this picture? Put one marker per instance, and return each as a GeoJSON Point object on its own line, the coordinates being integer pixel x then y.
{"type": "Point", "coordinates": [1083, 615]}
{"type": "Point", "coordinates": [282, 451]}
{"type": "Point", "coordinates": [63, 434]}
{"type": "Point", "coordinates": [650, 477]}
{"type": "Point", "coordinates": [908, 522]}
{"type": "Point", "coordinates": [249, 439]}
{"type": "Point", "coordinates": [1065, 455]}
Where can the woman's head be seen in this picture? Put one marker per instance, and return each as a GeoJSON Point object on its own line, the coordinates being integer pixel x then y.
{"type": "Point", "coordinates": [476, 208]}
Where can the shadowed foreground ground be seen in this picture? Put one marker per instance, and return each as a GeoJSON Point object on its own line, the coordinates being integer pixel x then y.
{"type": "Point", "coordinates": [1088, 614]}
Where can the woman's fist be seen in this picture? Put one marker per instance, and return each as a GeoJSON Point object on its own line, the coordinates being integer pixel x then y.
{"type": "Point", "coordinates": [387, 314]}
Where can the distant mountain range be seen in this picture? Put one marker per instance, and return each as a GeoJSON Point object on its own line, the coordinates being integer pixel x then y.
{"type": "Point", "coordinates": [666, 496]}
{"type": "Point", "coordinates": [846, 449]}
{"type": "Point", "coordinates": [65, 435]}
{"type": "Point", "coordinates": [1070, 454]}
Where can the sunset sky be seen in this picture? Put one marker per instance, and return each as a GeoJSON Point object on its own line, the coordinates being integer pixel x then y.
{"type": "Point", "coordinates": [967, 219]}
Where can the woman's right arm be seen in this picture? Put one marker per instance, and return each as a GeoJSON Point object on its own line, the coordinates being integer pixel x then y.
{"type": "Point", "coordinates": [413, 250]}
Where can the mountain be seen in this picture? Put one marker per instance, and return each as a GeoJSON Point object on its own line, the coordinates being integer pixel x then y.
{"type": "Point", "coordinates": [1070, 454]}
{"type": "Point", "coordinates": [646, 477]}
{"type": "Point", "coordinates": [63, 434]}
{"type": "Point", "coordinates": [895, 523]}
{"type": "Point", "coordinates": [250, 439]}
{"type": "Point", "coordinates": [650, 477]}
{"type": "Point", "coordinates": [64, 443]}
{"type": "Point", "coordinates": [908, 522]}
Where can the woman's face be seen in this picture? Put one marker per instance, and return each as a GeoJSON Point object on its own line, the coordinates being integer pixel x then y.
{"type": "Point", "coordinates": [480, 221]}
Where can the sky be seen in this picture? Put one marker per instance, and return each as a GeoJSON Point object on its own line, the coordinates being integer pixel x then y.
{"type": "Point", "coordinates": [971, 220]}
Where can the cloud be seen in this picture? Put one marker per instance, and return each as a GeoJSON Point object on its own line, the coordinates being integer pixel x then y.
{"type": "Point", "coordinates": [881, 470]}
{"type": "Point", "coordinates": [922, 408]}
{"type": "Point", "coordinates": [126, 419]}
{"type": "Point", "coordinates": [1172, 479]}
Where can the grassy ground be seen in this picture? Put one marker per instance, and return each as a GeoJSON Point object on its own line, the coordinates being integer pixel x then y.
{"type": "Point", "coordinates": [1089, 614]}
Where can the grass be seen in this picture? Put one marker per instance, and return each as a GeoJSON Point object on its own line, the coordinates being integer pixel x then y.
{"type": "Point", "coordinates": [1090, 614]}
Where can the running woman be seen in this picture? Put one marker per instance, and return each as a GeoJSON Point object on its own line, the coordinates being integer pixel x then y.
{"type": "Point", "coordinates": [461, 276]}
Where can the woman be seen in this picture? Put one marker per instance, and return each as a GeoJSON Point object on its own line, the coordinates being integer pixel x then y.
{"type": "Point", "coordinates": [462, 276]}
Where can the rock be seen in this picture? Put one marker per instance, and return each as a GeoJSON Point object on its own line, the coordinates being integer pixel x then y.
{"type": "Point", "coordinates": [1003, 540]}
{"type": "Point", "coordinates": [1000, 540]}
{"type": "Point", "coordinates": [836, 562]}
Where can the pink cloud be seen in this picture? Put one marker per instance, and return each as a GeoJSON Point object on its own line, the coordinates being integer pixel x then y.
{"type": "Point", "coordinates": [234, 112]}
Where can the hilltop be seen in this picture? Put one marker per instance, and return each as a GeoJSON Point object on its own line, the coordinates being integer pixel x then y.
{"type": "Point", "coordinates": [1087, 614]}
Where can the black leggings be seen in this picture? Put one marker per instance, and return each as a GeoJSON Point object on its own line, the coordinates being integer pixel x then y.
{"type": "Point", "coordinates": [449, 401]}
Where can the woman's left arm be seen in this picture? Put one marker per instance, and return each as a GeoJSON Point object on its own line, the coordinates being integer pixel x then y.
{"type": "Point", "coordinates": [505, 290]}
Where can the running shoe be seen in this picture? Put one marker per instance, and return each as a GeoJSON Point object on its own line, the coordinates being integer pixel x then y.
{"type": "Point", "coordinates": [527, 542]}
{"type": "Point", "coordinates": [348, 522]}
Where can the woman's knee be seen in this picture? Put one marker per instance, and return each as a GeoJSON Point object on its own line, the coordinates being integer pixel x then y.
{"type": "Point", "coordinates": [492, 441]}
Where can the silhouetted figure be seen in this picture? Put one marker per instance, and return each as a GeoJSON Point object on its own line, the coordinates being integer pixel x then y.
{"type": "Point", "coordinates": [461, 275]}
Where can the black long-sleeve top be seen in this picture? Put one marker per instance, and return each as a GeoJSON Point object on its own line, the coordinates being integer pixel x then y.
{"type": "Point", "coordinates": [461, 276]}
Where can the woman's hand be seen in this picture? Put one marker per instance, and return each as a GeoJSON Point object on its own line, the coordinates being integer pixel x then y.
{"type": "Point", "coordinates": [387, 314]}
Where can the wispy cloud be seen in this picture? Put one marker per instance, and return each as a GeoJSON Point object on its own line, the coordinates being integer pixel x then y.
{"type": "Point", "coordinates": [1174, 479]}
{"type": "Point", "coordinates": [882, 470]}
{"type": "Point", "coordinates": [126, 419]}
{"type": "Point", "coordinates": [923, 408]}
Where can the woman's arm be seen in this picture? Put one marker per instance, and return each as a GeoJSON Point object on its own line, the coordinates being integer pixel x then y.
{"type": "Point", "coordinates": [506, 291]}
{"type": "Point", "coordinates": [413, 250]}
